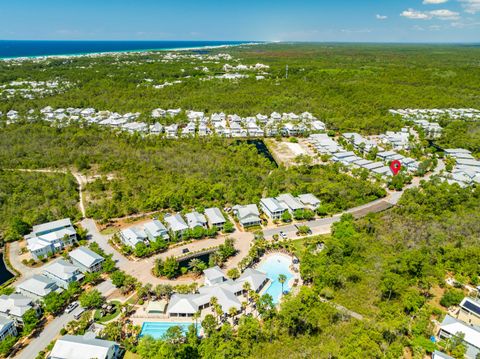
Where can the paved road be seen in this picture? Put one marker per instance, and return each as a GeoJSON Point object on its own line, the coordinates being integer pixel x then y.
{"type": "Point", "coordinates": [141, 269]}
{"type": "Point", "coordinates": [46, 336]}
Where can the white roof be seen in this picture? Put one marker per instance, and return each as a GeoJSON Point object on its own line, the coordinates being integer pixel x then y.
{"type": "Point", "coordinates": [15, 304]}
{"type": "Point", "coordinates": [273, 205]}
{"type": "Point", "coordinates": [308, 199]}
{"type": "Point", "coordinates": [155, 228]}
{"type": "Point", "coordinates": [213, 273]}
{"type": "Point", "coordinates": [214, 215]}
{"type": "Point", "coordinates": [81, 347]}
{"type": "Point", "coordinates": [61, 223]}
{"type": "Point", "coordinates": [61, 269]}
{"type": "Point", "coordinates": [175, 222]}
{"type": "Point", "coordinates": [132, 236]}
{"type": "Point", "coordinates": [195, 219]}
{"type": "Point", "coordinates": [38, 285]}
{"type": "Point", "coordinates": [454, 326]}
{"type": "Point", "coordinates": [182, 303]}
{"type": "Point", "coordinates": [254, 277]}
{"type": "Point", "coordinates": [290, 201]}
{"type": "Point", "coordinates": [86, 256]}
{"type": "Point", "coordinates": [249, 210]}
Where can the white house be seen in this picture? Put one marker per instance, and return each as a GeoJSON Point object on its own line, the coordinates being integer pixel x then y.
{"type": "Point", "coordinates": [7, 328]}
{"type": "Point", "coordinates": [195, 219]}
{"type": "Point", "coordinates": [155, 229]}
{"type": "Point", "coordinates": [63, 273]}
{"type": "Point", "coordinates": [309, 201]}
{"type": "Point", "coordinates": [247, 215]}
{"type": "Point", "coordinates": [37, 287]}
{"type": "Point", "coordinates": [16, 305]}
{"type": "Point", "coordinates": [272, 208]}
{"type": "Point", "coordinates": [176, 224]}
{"type": "Point", "coordinates": [215, 217]}
{"type": "Point", "coordinates": [451, 326]}
{"type": "Point", "coordinates": [84, 347]}
{"type": "Point", "coordinates": [132, 236]}
{"type": "Point", "coordinates": [50, 237]}
{"type": "Point", "coordinates": [291, 203]}
{"type": "Point", "coordinates": [214, 275]}
{"type": "Point", "coordinates": [86, 260]}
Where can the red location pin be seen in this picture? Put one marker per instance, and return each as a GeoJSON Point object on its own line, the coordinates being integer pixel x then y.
{"type": "Point", "coordinates": [395, 167]}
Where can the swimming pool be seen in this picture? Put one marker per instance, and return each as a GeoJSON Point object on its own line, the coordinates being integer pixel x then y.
{"type": "Point", "coordinates": [274, 265]}
{"type": "Point", "coordinates": [158, 329]}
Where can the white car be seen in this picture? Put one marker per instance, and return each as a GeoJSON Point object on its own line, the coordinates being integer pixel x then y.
{"type": "Point", "coordinates": [283, 235]}
{"type": "Point", "coordinates": [71, 307]}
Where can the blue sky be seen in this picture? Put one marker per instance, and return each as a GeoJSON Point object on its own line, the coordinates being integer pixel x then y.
{"type": "Point", "coordinates": [271, 20]}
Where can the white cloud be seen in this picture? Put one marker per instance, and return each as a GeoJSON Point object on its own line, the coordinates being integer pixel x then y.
{"type": "Point", "coordinates": [381, 17]}
{"type": "Point", "coordinates": [429, 2]}
{"type": "Point", "coordinates": [355, 31]}
{"type": "Point", "coordinates": [471, 6]}
{"type": "Point", "coordinates": [442, 14]}
{"type": "Point", "coordinates": [415, 15]}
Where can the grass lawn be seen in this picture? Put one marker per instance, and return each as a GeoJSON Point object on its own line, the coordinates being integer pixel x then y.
{"type": "Point", "coordinates": [130, 355]}
{"type": "Point", "coordinates": [108, 317]}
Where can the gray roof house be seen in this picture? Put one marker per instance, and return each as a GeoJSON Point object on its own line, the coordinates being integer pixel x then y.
{"type": "Point", "coordinates": [247, 215]}
{"type": "Point", "coordinates": [256, 278]}
{"type": "Point", "coordinates": [309, 201]}
{"type": "Point", "coordinates": [86, 259]}
{"type": "Point", "coordinates": [290, 202]}
{"type": "Point", "coordinates": [50, 237]}
{"type": "Point", "coordinates": [155, 229]}
{"type": "Point", "coordinates": [15, 306]}
{"type": "Point", "coordinates": [215, 217]}
{"type": "Point", "coordinates": [84, 347]}
{"type": "Point", "coordinates": [132, 236]}
{"type": "Point", "coordinates": [195, 219]}
{"type": "Point", "coordinates": [7, 328]}
{"type": "Point", "coordinates": [63, 273]}
{"type": "Point", "coordinates": [272, 208]}
{"type": "Point", "coordinates": [176, 224]}
{"type": "Point", "coordinates": [37, 287]}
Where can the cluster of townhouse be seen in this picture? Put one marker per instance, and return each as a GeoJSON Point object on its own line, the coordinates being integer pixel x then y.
{"type": "Point", "coordinates": [33, 89]}
{"type": "Point", "coordinates": [199, 124]}
{"type": "Point", "coordinates": [226, 292]}
{"type": "Point", "coordinates": [436, 113]}
{"type": "Point", "coordinates": [466, 170]}
{"type": "Point", "coordinates": [249, 215]}
{"type": "Point", "coordinates": [465, 320]}
{"type": "Point", "coordinates": [286, 124]}
{"type": "Point", "coordinates": [325, 144]}
{"type": "Point", "coordinates": [54, 278]}
{"type": "Point", "coordinates": [176, 225]}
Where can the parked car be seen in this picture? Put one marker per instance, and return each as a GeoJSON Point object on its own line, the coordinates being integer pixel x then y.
{"type": "Point", "coordinates": [71, 307]}
{"type": "Point", "coordinates": [283, 235]}
{"type": "Point", "coordinates": [185, 250]}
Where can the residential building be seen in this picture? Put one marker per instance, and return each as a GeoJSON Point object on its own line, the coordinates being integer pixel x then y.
{"type": "Point", "coordinates": [471, 335]}
{"type": "Point", "coordinates": [469, 311]}
{"type": "Point", "coordinates": [86, 260]}
{"type": "Point", "coordinates": [176, 224]}
{"type": "Point", "coordinates": [7, 328]}
{"type": "Point", "coordinates": [290, 202]}
{"type": "Point", "coordinates": [37, 287]}
{"type": "Point", "coordinates": [309, 201]}
{"type": "Point", "coordinates": [439, 355]}
{"type": "Point", "coordinates": [272, 208]}
{"type": "Point", "coordinates": [50, 237]}
{"type": "Point", "coordinates": [63, 273]}
{"type": "Point", "coordinates": [132, 236]}
{"type": "Point", "coordinates": [16, 305]}
{"type": "Point", "coordinates": [214, 275]}
{"type": "Point", "coordinates": [215, 217]}
{"type": "Point", "coordinates": [84, 347]}
{"type": "Point", "coordinates": [248, 215]}
{"type": "Point", "coordinates": [155, 229]}
{"type": "Point", "coordinates": [195, 219]}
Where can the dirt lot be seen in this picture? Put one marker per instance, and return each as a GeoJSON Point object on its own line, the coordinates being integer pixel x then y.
{"type": "Point", "coordinates": [285, 152]}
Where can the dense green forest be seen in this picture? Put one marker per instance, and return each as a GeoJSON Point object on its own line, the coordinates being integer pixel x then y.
{"type": "Point", "coordinates": [147, 174]}
{"type": "Point", "coordinates": [350, 86]}
{"type": "Point", "coordinates": [389, 267]}
{"type": "Point", "coordinates": [29, 198]}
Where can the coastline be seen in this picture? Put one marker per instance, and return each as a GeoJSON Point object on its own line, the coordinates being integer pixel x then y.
{"type": "Point", "coordinates": [125, 52]}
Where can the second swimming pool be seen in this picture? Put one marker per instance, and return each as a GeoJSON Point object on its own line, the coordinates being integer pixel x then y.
{"type": "Point", "coordinates": [274, 265]}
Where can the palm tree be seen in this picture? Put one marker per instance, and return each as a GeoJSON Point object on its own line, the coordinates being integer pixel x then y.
{"type": "Point", "coordinates": [218, 310]}
{"type": "Point", "coordinates": [194, 265]}
{"type": "Point", "coordinates": [244, 307]}
{"type": "Point", "coordinates": [232, 312]}
{"type": "Point", "coordinates": [282, 278]}
{"type": "Point", "coordinates": [246, 288]}
{"type": "Point", "coordinates": [196, 316]}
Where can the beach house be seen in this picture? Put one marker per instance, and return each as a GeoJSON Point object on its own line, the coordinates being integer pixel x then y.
{"type": "Point", "coordinates": [272, 208]}
{"type": "Point", "coordinates": [50, 237]}
{"type": "Point", "coordinates": [215, 218]}
{"type": "Point", "coordinates": [86, 260]}
{"type": "Point", "coordinates": [133, 236]}
{"type": "Point", "coordinates": [248, 215]}
{"type": "Point", "coordinates": [37, 287]}
{"type": "Point", "coordinates": [155, 229]}
{"type": "Point", "coordinates": [176, 224]}
{"type": "Point", "coordinates": [84, 346]}
{"type": "Point", "coordinates": [195, 219]}
{"type": "Point", "coordinates": [63, 273]}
